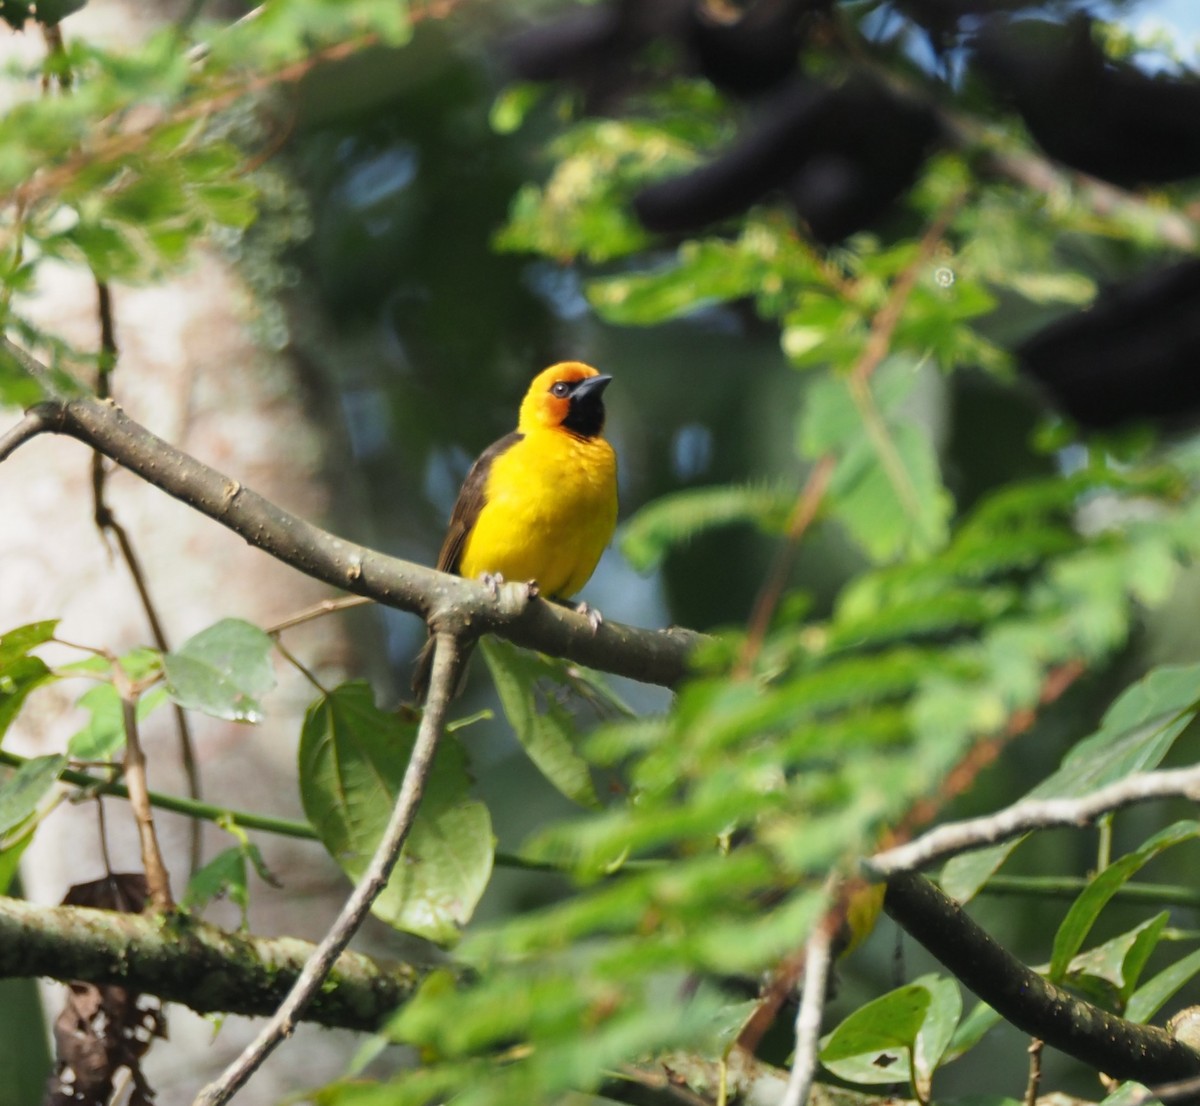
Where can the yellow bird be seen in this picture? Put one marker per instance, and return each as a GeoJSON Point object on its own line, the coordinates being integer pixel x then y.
{"type": "Point", "coordinates": [540, 504]}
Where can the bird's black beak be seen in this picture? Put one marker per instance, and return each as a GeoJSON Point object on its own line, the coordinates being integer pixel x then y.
{"type": "Point", "coordinates": [585, 415]}
{"type": "Point", "coordinates": [590, 387]}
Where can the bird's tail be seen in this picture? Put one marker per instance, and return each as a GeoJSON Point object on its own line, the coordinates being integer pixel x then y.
{"type": "Point", "coordinates": [423, 669]}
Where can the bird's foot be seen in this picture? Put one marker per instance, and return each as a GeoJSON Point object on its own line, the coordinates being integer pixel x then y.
{"type": "Point", "coordinates": [492, 581]}
{"type": "Point", "coordinates": [594, 617]}
{"type": "Point", "coordinates": [531, 589]}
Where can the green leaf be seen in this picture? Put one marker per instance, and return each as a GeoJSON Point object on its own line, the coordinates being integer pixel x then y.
{"type": "Point", "coordinates": [888, 493]}
{"type": "Point", "coordinates": [222, 670]}
{"type": "Point", "coordinates": [1135, 734]}
{"type": "Point", "coordinates": [971, 1030]}
{"type": "Point", "coordinates": [231, 203]}
{"type": "Point", "coordinates": [1120, 960]}
{"type": "Point", "coordinates": [106, 248]}
{"type": "Point", "coordinates": [544, 727]}
{"type": "Point", "coordinates": [352, 759]}
{"type": "Point", "coordinates": [886, 487]}
{"type": "Point", "coordinates": [874, 1044]}
{"type": "Point", "coordinates": [1127, 1094]}
{"type": "Point", "coordinates": [225, 875]}
{"type": "Point", "coordinates": [16, 12]}
{"type": "Point", "coordinates": [513, 104]}
{"type": "Point", "coordinates": [583, 208]}
{"type": "Point", "coordinates": [16, 643]}
{"type": "Point", "coordinates": [17, 680]}
{"type": "Point", "coordinates": [1086, 908]}
{"type": "Point", "coordinates": [17, 387]}
{"type": "Point", "coordinates": [937, 1030]}
{"type": "Point", "coordinates": [703, 273]}
{"type": "Point", "coordinates": [104, 735]}
{"type": "Point", "coordinates": [1149, 998]}
{"type": "Point", "coordinates": [23, 791]}
{"type": "Point", "coordinates": [1062, 287]}
{"type": "Point", "coordinates": [51, 12]}
{"type": "Point", "coordinates": [672, 520]}
{"type": "Point", "coordinates": [154, 196]}
{"type": "Point", "coordinates": [10, 857]}
{"type": "Point", "coordinates": [141, 664]}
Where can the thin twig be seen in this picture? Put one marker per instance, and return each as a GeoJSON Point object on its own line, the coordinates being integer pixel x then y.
{"type": "Point", "coordinates": [107, 523]}
{"type": "Point", "coordinates": [817, 957]}
{"type": "Point", "coordinates": [1183, 1090]}
{"type": "Point", "coordinates": [319, 610]}
{"type": "Point", "coordinates": [803, 514]}
{"type": "Point", "coordinates": [885, 448]}
{"type": "Point", "coordinates": [1031, 814]}
{"type": "Point", "coordinates": [102, 830]}
{"type": "Point", "coordinates": [108, 339]}
{"type": "Point", "coordinates": [36, 421]}
{"type": "Point", "coordinates": [1036, 1046]}
{"type": "Point", "coordinates": [299, 665]}
{"type": "Point", "coordinates": [139, 798]}
{"type": "Point", "coordinates": [662, 1082]}
{"type": "Point", "coordinates": [187, 748]}
{"type": "Point", "coordinates": [56, 49]}
{"type": "Point", "coordinates": [883, 326]}
{"type": "Point", "coordinates": [446, 664]}
{"type": "Point", "coordinates": [878, 343]}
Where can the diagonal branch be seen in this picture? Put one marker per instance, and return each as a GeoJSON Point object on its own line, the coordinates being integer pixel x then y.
{"type": "Point", "coordinates": [447, 663]}
{"type": "Point", "coordinates": [36, 421]}
{"type": "Point", "coordinates": [1031, 814]}
{"type": "Point", "coordinates": [463, 607]}
{"type": "Point", "coordinates": [1120, 1048]}
{"type": "Point", "coordinates": [818, 956]}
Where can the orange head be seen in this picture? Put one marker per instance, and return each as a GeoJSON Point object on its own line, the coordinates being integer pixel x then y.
{"type": "Point", "coordinates": [565, 396]}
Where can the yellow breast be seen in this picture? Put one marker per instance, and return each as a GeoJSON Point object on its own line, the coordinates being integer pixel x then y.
{"type": "Point", "coordinates": [550, 509]}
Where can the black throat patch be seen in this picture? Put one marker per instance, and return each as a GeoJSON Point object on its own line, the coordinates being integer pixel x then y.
{"type": "Point", "coordinates": [585, 415]}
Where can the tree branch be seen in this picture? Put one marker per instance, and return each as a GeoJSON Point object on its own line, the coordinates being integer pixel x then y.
{"type": "Point", "coordinates": [447, 664]}
{"type": "Point", "coordinates": [1101, 1040]}
{"type": "Point", "coordinates": [1030, 814]}
{"type": "Point", "coordinates": [463, 607]}
{"type": "Point", "coordinates": [153, 865]}
{"type": "Point", "coordinates": [817, 957]}
{"type": "Point", "coordinates": [182, 959]}
{"type": "Point", "coordinates": [33, 424]}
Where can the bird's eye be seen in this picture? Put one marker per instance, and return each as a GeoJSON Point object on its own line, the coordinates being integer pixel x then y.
{"type": "Point", "coordinates": [561, 389]}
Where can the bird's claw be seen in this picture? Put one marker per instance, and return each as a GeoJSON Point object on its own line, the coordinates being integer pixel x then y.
{"type": "Point", "coordinates": [531, 589]}
{"type": "Point", "coordinates": [594, 617]}
{"type": "Point", "coordinates": [492, 581]}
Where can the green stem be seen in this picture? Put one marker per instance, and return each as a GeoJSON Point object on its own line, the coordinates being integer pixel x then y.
{"type": "Point", "coordinates": [1069, 887]}
{"type": "Point", "coordinates": [1104, 842]}
{"type": "Point", "coordinates": [193, 808]}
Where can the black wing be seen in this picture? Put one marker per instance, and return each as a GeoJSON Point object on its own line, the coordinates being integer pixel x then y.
{"type": "Point", "coordinates": [471, 500]}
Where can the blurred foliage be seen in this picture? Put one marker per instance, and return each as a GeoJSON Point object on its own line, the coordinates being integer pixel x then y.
{"type": "Point", "coordinates": [965, 585]}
